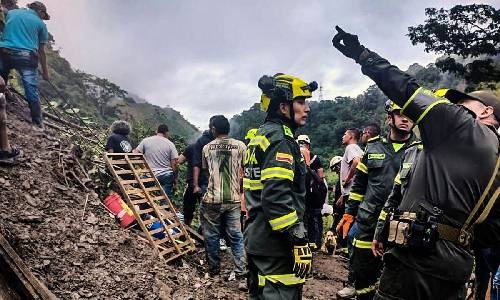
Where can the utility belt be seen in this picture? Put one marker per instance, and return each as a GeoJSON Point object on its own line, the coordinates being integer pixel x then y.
{"type": "Point", "coordinates": [422, 230]}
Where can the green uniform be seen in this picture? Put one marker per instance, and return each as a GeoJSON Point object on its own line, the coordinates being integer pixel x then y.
{"type": "Point", "coordinates": [274, 186]}
{"type": "Point", "coordinates": [401, 182]}
{"type": "Point", "coordinates": [452, 172]}
{"type": "Point", "coordinates": [373, 182]}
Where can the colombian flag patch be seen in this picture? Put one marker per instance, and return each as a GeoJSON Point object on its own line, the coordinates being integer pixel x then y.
{"type": "Point", "coordinates": [284, 157]}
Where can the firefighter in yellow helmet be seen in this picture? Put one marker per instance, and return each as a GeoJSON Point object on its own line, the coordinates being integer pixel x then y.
{"type": "Point", "coordinates": [279, 257]}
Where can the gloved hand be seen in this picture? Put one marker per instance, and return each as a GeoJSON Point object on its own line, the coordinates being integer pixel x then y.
{"type": "Point", "coordinates": [297, 234]}
{"type": "Point", "coordinates": [345, 224]}
{"type": "Point", "coordinates": [303, 261]}
{"type": "Point", "coordinates": [350, 47]}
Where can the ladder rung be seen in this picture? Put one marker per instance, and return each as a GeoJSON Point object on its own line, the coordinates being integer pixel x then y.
{"type": "Point", "coordinates": [127, 181]}
{"type": "Point", "coordinates": [166, 214]}
{"type": "Point", "coordinates": [118, 162]}
{"type": "Point", "coordinates": [141, 170]}
{"type": "Point", "coordinates": [167, 251]}
{"type": "Point", "coordinates": [120, 172]}
{"type": "Point", "coordinates": [134, 191]}
{"type": "Point", "coordinates": [157, 230]}
{"type": "Point", "coordinates": [153, 189]}
{"type": "Point", "coordinates": [166, 239]}
{"type": "Point", "coordinates": [139, 201]}
{"type": "Point", "coordinates": [149, 221]}
{"type": "Point", "coordinates": [145, 211]}
{"type": "Point", "coordinates": [186, 243]}
{"type": "Point", "coordinates": [150, 179]}
{"type": "Point", "coordinates": [158, 198]}
{"type": "Point", "coordinates": [136, 161]}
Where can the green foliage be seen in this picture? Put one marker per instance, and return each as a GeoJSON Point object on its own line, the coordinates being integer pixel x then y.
{"type": "Point", "coordinates": [469, 31]}
{"type": "Point", "coordinates": [103, 101]}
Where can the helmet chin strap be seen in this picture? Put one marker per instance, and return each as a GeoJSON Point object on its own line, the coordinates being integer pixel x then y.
{"type": "Point", "coordinates": [398, 131]}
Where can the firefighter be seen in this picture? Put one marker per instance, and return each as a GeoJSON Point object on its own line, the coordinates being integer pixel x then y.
{"type": "Point", "coordinates": [276, 242]}
{"type": "Point", "coordinates": [373, 182]}
{"type": "Point", "coordinates": [454, 186]}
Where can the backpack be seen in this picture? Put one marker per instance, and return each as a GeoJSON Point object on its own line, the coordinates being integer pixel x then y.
{"type": "Point", "coordinates": [316, 189]}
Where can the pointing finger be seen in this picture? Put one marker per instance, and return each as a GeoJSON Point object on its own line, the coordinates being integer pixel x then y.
{"type": "Point", "coordinates": [339, 30]}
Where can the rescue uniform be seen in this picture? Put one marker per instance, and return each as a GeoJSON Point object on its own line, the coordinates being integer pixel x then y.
{"type": "Point", "coordinates": [401, 182]}
{"type": "Point", "coordinates": [274, 185]}
{"type": "Point", "coordinates": [373, 182]}
{"type": "Point", "coordinates": [451, 174]}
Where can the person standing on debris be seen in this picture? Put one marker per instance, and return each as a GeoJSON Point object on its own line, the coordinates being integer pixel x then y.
{"type": "Point", "coordinates": [279, 257]}
{"type": "Point", "coordinates": [373, 183]}
{"type": "Point", "coordinates": [370, 131]}
{"type": "Point", "coordinates": [454, 186]}
{"type": "Point", "coordinates": [8, 154]}
{"type": "Point", "coordinates": [351, 158]}
{"type": "Point", "coordinates": [189, 198]}
{"type": "Point", "coordinates": [316, 193]}
{"type": "Point", "coordinates": [161, 155]}
{"type": "Point", "coordinates": [21, 47]}
{"type": "Point", "coordinates": [223, 158]}
{"type": "Point", "coordinates": [118, 141]}
{"type": "Point", "coordinates": [200, 181]}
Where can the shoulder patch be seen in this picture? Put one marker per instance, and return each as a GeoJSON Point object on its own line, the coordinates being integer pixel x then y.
{"type": "Point", "coordinates": [287, 131]}
{"type": "Point", "coordinates": [284, 157]}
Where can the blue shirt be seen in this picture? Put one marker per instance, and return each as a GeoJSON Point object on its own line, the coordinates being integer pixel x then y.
{"type": "Point", "coordinates": [24, 30]}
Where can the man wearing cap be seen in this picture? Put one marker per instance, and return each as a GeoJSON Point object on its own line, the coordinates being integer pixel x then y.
{"type": "Point", "coordinates": [454, 186]}
{"type": "Point", "coordinates": [21, 47]}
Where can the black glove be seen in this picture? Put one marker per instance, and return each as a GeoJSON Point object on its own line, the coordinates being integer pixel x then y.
{"type": "Point", "coordinates": [297, 234]}
{"type": "Point", "coordinates": [350, 47]}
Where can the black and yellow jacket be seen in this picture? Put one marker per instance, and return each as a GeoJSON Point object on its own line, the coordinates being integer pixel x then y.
{"type": "Point", "coordinates": [401, 182]}
{"type": "Point", "coordinates": [373, 182]}
{"type": "Point", "coordinates": [274, 185]}
{"type": "Point", "coordinates": [452, 172]}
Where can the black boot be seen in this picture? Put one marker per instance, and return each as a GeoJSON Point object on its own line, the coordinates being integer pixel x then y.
{"type": "Point", "coordinates": [36, 113]}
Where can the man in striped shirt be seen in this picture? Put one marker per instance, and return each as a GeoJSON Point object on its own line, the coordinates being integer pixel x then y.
{"type": "Point", "coordinates": [223, 158]}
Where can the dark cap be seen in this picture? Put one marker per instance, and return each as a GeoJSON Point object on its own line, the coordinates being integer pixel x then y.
{"type": "Point", "coordinates": [41, 8]}
{"type": "Point", "coordinates": [485, 97]}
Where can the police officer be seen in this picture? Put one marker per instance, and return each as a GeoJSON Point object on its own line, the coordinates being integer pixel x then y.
{"type": "Point", "coordinates": [373, 182]}
{"type": "Point", "coordinates": [400, 186]}
{"type": "Point", "coordinates": [457, 170]}
{"type": "Point", "coordinates": [279, 257]}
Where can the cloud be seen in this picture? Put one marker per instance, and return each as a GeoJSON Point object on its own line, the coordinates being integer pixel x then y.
{"type": "Point", "coordinates": [205, 57]}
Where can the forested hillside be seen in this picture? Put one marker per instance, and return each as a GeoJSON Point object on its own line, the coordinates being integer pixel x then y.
{"type": "Point", "coordinates": [100, 101]}
{"type": "Point", "coordinates": [329, 118]}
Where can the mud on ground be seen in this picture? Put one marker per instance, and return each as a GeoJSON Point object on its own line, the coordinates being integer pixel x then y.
{"type": "Point", "coordinates": [84, 254]}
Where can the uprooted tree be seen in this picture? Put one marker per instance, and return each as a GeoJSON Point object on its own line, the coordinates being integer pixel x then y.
{"type": "Point", "coordinates": [471, 32]}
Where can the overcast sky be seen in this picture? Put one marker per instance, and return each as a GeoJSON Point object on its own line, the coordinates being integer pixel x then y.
{"type": "Point", "coordinates": [205, 57]}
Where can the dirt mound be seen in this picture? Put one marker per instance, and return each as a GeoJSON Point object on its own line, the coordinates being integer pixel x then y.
{"type": "Point", "coordinates": [84, 254]}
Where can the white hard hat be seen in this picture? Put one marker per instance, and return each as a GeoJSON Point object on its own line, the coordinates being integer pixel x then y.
{"type": "Point", "coordinates": [335, 160]}
{"type": "Point", "coordinates": [327, 209]}
{"type": "Point", "coordinates": [303, 138]}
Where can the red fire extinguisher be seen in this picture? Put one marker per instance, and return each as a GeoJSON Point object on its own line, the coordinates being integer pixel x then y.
{"type": "Point", "coordinates": [120, 210]}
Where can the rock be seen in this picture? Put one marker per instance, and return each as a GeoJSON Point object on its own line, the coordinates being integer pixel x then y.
{"type": "Point", "coordinates": [2, 181]}
{"type": "Point", "coordinates": [60, 187]}
{"type": "Point", "coordinates": [26, 185]}
{"type": "Point", "coordinates": [91, 219]}
{"type": "Point", "coordinates": [31, 201]}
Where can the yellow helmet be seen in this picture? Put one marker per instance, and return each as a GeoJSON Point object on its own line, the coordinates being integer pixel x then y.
{"type": "Point", "coordinates": [390, 106]}
{"type": "Point", "coordinates": [251, 133]}
{"type": "Point", "coordinates": [282, 87]}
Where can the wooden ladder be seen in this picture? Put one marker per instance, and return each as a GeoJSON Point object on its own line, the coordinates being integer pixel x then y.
{"type": "Point", "coordinates": [143, 194]}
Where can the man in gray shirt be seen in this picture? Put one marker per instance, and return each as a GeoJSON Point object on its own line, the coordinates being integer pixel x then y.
{"type": "Point", "coordinates": [161, 155]}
